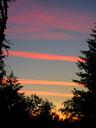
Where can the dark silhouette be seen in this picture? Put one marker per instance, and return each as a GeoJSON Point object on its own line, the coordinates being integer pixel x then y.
{"type": "Point", "coordinates": [25, 111]}
{"type": "Point", "coordinates": [13, 105]}
{"type": "Point", "coordinates": [3, 40]}
{"type": "Point", "coordinates": [83, 103]}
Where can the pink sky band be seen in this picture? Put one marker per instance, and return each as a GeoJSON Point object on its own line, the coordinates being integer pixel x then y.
{"type": "Point", "coordinates": [46, 82]}
{"type": "Point", "coordinates": [43, 56]}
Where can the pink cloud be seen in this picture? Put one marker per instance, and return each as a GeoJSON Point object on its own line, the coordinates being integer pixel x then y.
{"type": "Point", "coordinates": [45, 93]}
{"type": "Point", "coordinates": [43, 56]}
{"type": "Point", "coordinates": [46, 82]}
{"type": "Point", "coordinates": [51, 24]}
{"type": "Point", "coordinates": [44, 19]}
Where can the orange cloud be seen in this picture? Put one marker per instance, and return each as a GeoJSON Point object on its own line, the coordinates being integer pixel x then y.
{"type": "Point", "coordinates": [42, 56]}
{"type": "Point", "coordinates": [46, 82]}
{"type": "Point", "coordinates": [45, 93]}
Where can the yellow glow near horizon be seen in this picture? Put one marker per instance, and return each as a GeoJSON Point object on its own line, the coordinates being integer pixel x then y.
{"type": "Point", "coordinates": [45, 93]}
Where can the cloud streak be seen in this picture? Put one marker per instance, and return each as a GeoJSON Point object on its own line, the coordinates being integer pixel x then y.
{"type": "Point", "coordinates": [45, 93]}
{"type": "Point", "coordinates": [50, 24]}
{"type": "Point", "coordinates": [43, 56]}
{"type": "Point", "coordinates": [46, 82]}
{"type": "Point", "coordinates": [42, 20]}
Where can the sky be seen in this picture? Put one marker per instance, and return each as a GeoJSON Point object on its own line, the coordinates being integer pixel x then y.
{"type": "Point", "coordinates": [46, 37]}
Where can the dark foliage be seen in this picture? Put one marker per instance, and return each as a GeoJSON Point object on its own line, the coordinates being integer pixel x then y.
{"type": "Point", "coordinates": [3, 41]}
{"type": "Point", "coordinates": [83, 103]}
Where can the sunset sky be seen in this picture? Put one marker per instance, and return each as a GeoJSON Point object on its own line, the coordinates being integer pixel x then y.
{"type": "Point", "coordinates": [46, 37]}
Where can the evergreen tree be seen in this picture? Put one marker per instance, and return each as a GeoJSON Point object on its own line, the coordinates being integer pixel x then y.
{"type": "Point", "coordinates": [3, 41]}
{"type": "Point", "coordinates": [14, 106]}
{"type": "Point", "coordinates": [83, 102]}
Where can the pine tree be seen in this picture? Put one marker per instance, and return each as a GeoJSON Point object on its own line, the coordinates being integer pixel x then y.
{"type": "Point", "coordinates": [3, 41]}
{"type": "Point", "coordinates": [83, 102]}
{"type": "Point", "coordinates": [14, 106]}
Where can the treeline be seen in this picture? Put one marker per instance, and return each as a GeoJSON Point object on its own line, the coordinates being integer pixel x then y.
{"type": "Point", "coordinates": [18, 110]}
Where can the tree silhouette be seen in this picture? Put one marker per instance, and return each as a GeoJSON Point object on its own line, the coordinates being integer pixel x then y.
{"type": "Point", "coordinates": [3, 41]}
{"type": "Point", "coordinates": [83, 102]}
{"type": "Point", "coordinates": [42, 113]}
{"type": "Point", "coordinates": [38, 106]}
{"type": "Point", "coordinates": [13, 104]}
